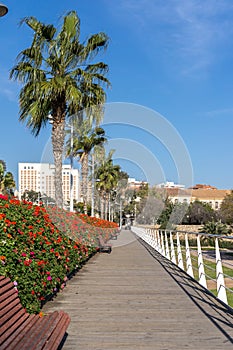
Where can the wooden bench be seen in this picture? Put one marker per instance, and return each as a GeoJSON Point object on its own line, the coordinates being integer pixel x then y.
{"type": "Point", "coordinates": [114, 235]}
{"type": "Point", "coordinates": [103, 247]}
{"type": "Point", "coordinates": [20, 330]}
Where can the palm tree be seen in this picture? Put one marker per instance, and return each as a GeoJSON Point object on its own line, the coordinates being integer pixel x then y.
{"type": "Point", "coordinates": [108, 175]}
{"type": "Point", "coordinates": [85, 138]}
{"type": "Point", "coordinates": [7, 182]}
{"type": "Point", "coordinates": [59, 80]}
{"type": "Point", "coordinates": [2, 172]}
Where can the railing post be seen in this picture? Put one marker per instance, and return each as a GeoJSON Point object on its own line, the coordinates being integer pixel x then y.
{"type": "Point", "coordinates": [162, 244]}
{"type": "Point", "coordinates": [155, 239]}
{"type": "Point", "coordinates": [221, 289]}
{"type": "Point", "coordinates": [189, 267]}
{"type": "Point", "coordinates": [159, 242]}
{"type": "Point", "coordinates": [201, 270]}
{"type": "Point", "coordinates": [179, 253]}
{"type": "Point", "coordinates": [167, 252]}
{"type": "Point", "coordinates": [173, 256]}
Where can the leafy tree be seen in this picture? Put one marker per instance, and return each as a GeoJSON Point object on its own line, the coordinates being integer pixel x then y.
{"type": "Point", "coordinates": [59, 80]}
{"type": "Point", "coordinates": [31, 196]}
{"type": "Point", "coordinates": [199, 213]}
{"type": "Point", "coordinates": [226, 209]}
{"type": "Point", "coordinates": [163, 219]}
{"type": "Point", "coordinates": [151, 211]}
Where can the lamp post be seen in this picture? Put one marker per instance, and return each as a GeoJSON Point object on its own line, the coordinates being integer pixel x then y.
{"type": "Point", "coordinates": [3, 10]}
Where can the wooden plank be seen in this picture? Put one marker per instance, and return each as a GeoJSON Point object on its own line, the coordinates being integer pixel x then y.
{"type": "Point", "coordinates": [133, 300]}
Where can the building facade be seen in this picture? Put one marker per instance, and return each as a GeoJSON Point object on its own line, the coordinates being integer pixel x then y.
{"type": "Point", "coordinates": [210, 195]}
{"type": "Point", "coordinates": [39, 177]}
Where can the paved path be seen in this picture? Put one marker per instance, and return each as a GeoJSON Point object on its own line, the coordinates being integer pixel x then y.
{"type": "Point", "coordinates": [134, 299]}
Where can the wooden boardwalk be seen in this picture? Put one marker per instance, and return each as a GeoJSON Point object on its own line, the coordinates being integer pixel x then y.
{"type": "Point", "coordinates": [134, 299]}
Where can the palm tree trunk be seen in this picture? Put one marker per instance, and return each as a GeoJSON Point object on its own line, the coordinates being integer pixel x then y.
{"type": "Point", "coordinates": [58, 136]}
{"type": "Point", "coordinates": [102, 207]}
{"type": "Point", "coordinates": [85, 180]}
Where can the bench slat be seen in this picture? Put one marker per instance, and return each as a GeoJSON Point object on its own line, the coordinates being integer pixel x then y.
{"type": "Point", "coordinates": [8, 339]}
{"type": "Point", "coordinates": [22, 331]}
{"type": "Point", "coordinates": [9, 323]}
{"type": "Point", "coordinates": [56, 332]}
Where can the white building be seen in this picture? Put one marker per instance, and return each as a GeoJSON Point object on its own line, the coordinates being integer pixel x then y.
{"type": "Point", "coordinates": [135, 184]}
{"type": "Point", "coordinates": [169, 184]}
{"type": "Point", "coordinates": [39, 177]}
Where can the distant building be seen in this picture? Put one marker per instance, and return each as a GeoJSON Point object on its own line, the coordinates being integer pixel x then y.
{"type": "Point", "coordinates": [212, 196]}
{"type": "Point", "coordinates": [39, 177]}
{"type": "Point", "coordinates": [203, 193]}
{"type": "Point", "coordinates": [169, 184]}
{"type": "Point", "coordinates": [134, 184]}
{"type": "Point", "coordinates": [204, 187]}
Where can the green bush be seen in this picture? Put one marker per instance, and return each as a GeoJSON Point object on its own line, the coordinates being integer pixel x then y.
{"type": "Point", "coordinates": [36, 254]}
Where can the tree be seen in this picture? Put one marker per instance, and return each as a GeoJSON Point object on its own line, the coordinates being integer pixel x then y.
{"type": "Point", "coordinates": [31, 196]}
{"type": "Point", "coordinates": [108, 176]}
{"type": "Point", "coordinates": [199, 213]}
{"type": "Point", "coordinates": [163, 219]}
{"type": "Point", "coordinates": [2, 172]}
{"type": "Point", "coordinates": [85, 138]}
{"type": "Point", "coordinates": [59, 80]}
{"type": "Point", "coordinates": [215, 228]}
{"type": "Point", "coordinates": [226, 209]}
{"type": "Point", "coordinates": [7, 182]}
{"type": "Point", "coordinates": [150, 211]}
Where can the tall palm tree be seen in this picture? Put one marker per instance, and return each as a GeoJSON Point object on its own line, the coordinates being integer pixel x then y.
{"type": "Point", "coordinates": [108, 176]}
{"type": "Point", "coordinates": [85, 138]}
{"type": "Point", "coordinates": [2, 173]}
{"type": "Point", "coordinates": [59, 80]}
{"type": "Point", "coordinates": [9, 183]}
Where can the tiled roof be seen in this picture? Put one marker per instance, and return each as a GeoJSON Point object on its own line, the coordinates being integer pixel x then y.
{"type": "Point", "coordinates": [210, 194]}
{"type": "Point", "coordinates": [199, 194]}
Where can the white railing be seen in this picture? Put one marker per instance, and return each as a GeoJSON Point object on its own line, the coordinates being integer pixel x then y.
{"type": "Point", "coordinates": [186, 250]}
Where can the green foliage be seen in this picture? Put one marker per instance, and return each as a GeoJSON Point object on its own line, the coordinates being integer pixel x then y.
{"type": "Point", "coordinates": [165, 215]}
{"type": "Point", "coordinates": [7, 182]}
{"type": "Point", "coordinates": [108, 175]}
{"type": "Point", "coordinates": [59, 80]}
{"type": "Point", "coordinates": [199, 213]}
{"type": "Point", "coordinates": [226, 210]}
{"type": "Point", "coordinates": [215, 228]}
{"type": "Point", "coordinates": [40, 248]}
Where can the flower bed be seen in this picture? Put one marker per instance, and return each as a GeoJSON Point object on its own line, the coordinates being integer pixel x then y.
{"type": "Point", "coordinates": [98, 222]}
{"type": "Point", "coordinates": [39, 248]}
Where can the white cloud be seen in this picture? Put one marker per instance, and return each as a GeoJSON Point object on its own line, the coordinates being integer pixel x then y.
{"type": "Point", "coordinates": [8, 88]}
{"type": "Point", "coordinates": [220, 112]}
{"type": "Point", "coordinates": [189, 31]}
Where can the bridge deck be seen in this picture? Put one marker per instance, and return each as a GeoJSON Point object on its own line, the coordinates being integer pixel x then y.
{"type": "Point", "coordinates": [133, 300]}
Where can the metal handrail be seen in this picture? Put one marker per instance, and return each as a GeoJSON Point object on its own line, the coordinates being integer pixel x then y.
{"type": "Point", "coordinates": [181, 255]}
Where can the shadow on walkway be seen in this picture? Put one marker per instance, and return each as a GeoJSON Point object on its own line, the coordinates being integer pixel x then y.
{"type": "Point", "coordinates": [218, 313]}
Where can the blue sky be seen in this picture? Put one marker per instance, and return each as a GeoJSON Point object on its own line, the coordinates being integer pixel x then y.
{"type": "Point", "coordinates": [172, 60]}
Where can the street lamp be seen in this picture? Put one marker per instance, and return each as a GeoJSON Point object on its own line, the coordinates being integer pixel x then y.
{"type": "Point", "coordinates": [3, 10]}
